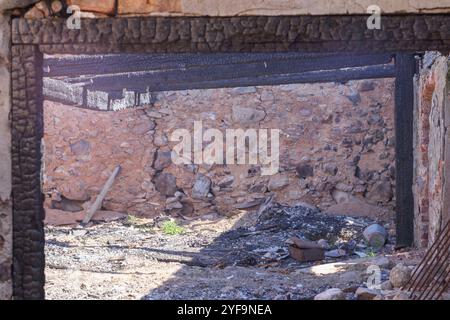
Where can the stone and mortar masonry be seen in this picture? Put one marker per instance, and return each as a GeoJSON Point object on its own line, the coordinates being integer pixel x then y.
{"type": "Point", "coordinates": [256, 7]}
{"type": "Point", "coordinates": [336, 151]}
{"type": "Point", "coordinates": [432, 156]}
{"type": "Point", "coordinates": [5, 161]}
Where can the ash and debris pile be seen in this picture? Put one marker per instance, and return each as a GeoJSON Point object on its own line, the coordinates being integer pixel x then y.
{"type": "Point", "coordinates": [266, 240]}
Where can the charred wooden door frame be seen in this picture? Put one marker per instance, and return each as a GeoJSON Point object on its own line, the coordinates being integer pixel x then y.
{"type": "Point", "coordinates": [32, 38]}
{"type": "Point", "coordinates": [405, 65]}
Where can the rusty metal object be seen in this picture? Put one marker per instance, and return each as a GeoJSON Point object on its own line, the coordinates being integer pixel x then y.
{"type": "Point", "coordinates": [431, 278]}
{"type": "Point", "coordinates": [305, 250]}
{"type": "Point", "coordinates": [305, 255]}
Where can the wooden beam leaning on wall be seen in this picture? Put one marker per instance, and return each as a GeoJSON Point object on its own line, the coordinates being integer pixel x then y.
{"type": "Point", "coordinates": [98, 202]}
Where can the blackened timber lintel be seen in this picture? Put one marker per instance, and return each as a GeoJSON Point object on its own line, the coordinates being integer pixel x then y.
{"type": "Point", "coordinates": [156, 83]}
{"type": "Point", "coordinates": [75, 66]}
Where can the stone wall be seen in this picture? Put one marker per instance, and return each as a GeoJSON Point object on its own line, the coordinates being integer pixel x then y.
{"type": "Point", "coordinates": [433, 159]}
{"type": "Point", "coordinates": [336, 150]}
{"type": "Point", "coordinates": [246, 7]}
{"type": "Point", "coordinates": [5, 162]}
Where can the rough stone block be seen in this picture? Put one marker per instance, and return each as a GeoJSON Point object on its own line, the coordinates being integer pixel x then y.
{"type": "Point", "coordinates": [104, 6]}
{"type": "Point", "coordinates": [149, 6]}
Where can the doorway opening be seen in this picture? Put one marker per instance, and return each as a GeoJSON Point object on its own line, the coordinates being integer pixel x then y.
{"type": "Point", "coordinates": [201, 224]}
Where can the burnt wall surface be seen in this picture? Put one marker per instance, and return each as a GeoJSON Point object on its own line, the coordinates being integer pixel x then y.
{"type": "Point", "coordinates": [431, 185]}
{"type": "Point", "coordinates": [27, 131]}
{"type": "Point", "coordinates": [336, 150]}
{"type": "Point", "coordinates": [236, 34]}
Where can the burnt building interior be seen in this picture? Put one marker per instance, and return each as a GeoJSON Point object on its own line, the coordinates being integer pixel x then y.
{"type": "Point", "coordinates": [341, 191]}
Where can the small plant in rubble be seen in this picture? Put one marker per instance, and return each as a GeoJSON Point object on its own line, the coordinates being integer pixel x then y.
{"type": "Point", "coordinates": [171, 228]}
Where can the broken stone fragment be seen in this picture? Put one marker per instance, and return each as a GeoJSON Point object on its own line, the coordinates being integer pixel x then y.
{"type": "Point", "coordinates": [401, 296]}
{"type": "Point", "coordinates": [386, 285]}
{"type": "Point", "coordinates": [365, 293]}
{"type": "Point", "coordinates": [382, 262]}
{"type": "Point", "coordinates": [258, 187]}
{"type": "Point", "coordinates": [248, 204]}
{"type": "Point", "coordinates": [247, 115]}
{"type": "Point", "coordinates": [104, 6]}
{"type": "Point", "coordinates": [163, 160]}
{"type": "Point", "coordinates": [160, 140]}
{"type": "Point", "coordinates": [34, 13]}
{"type": "Point", "coordinates": [171, 200]}
{"type": "Point", "coordinates": [331, 294]}
{"type": "Point", "coordinates": [165, 111]}
{"type": "Point", "coordinates": [226, 182]}
{"type": "Point", "coordinates": [336, 253]}
{"type": "Point", "coordinates": [367, 86]}
{"type": "Point", "coordinates": [154, 114]}
{"type": "Point", "coordinates": [143, 128]}
{"type": "Point", "coordinates": [42, 6]}
{"type": "Point", "coordinates": [399, 275]}
{"type": "Point", "coordinates": [278, 182]}
{"type": "Point", "coordinates": [381, 191]}
{"type": "Point", "coordinates": [244, 90]}
{"type": "Point", "coordinates": [188, 208]}
{"type": "Point", "coordinates": [179, 195]}
{"type": "Point", "coordinates": [350, 277]}
{"type": "Point", "coordinates": [80, 148]}
{"type": "Point", "coordinates": [201, 188]}
{"type": "Point", "coordinates": [343, 187]}
{"type": "Point", "coordinates": [174, 205]}
{"type": "Point", "coordinates": [166, 184]}
{"type": "Point", "coordinates": [331, 169]}
{"type": "Point", "coordinates": [267, 96]}
{"type": "Point", "coordinates": [354, 96]}
{"type": "Point", "coordinates": [323, 244]}
{"type": "Point", "coordinates": [304, 171]}
{"type": "Point", "coordinates": [341, 196]}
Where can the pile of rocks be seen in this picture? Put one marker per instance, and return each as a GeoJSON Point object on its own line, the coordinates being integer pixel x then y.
{"type": "Point", "coordinates": [387, 286]}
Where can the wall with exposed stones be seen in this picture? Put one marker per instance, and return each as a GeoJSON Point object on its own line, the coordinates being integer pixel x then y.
{"type": "Point", "coordinates": [432, 162]}
{"type": "Point", "coordinates": [236, 7]}
{"type": "Point", "coordinates": [5, 161]}
{"type": "Point", "coordinates": [336, 150]}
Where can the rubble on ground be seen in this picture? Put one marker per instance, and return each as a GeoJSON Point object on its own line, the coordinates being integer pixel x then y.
{"type": "Point", "coordinates": [243, 257]}
{"type": "Point", "coordinates": [263, 240]}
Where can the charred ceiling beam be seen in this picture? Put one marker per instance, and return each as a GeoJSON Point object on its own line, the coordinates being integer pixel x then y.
{"type": "Point", "coordinates": [74, 66]}
{"type": "Point", "coordinates": [199, 80]}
